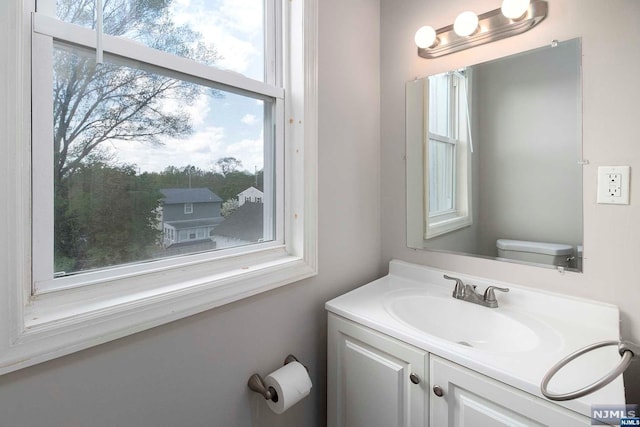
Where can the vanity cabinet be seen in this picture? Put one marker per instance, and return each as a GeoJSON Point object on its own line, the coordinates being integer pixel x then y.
{"type": "Point", "coordinates": [371, 379]}
{"type": "Point", "coordinates": [470, 399]}
{"type": "Point", "coordinates": [377, 381]}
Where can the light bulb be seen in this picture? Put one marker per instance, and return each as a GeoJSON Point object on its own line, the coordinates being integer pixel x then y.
{"type": "Point", "coordinates": [425, 37]}
{"type": "Point", "coordinates": [465, 24]}
{"type": "Point", "coordinates": [514, 9]}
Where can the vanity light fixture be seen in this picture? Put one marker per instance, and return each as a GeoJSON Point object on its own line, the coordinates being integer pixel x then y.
{"type": "Point", "coordinates": [470, 30]}
{"type": "Point", "coordinates": [426, 37]}
{"type": "Point", "coordinates": [466, 24]}
{"type": "Point", "coordinates": [514, 9]}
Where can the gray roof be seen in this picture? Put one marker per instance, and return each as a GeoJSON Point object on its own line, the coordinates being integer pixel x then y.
{"type": "Point", "coordinates": [189, 195]}
{"type": "Point", "coordinates": [245, 223]}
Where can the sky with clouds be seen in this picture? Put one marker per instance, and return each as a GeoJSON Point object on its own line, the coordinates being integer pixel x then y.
{"type": "Point", "coordinates": [226, 126]}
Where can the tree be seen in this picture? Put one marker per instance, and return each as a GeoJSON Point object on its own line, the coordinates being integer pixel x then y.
{"type": "Point", "coordinates": [228, 186]}
{"type": "Point", "coordinates": [114, 212]}
{"type": "Point", "coordinates": [94, 104]}
{"type": "Point", "coordinates": [227, 165]}
{"type": "Point", "coordinates": [228, 207]}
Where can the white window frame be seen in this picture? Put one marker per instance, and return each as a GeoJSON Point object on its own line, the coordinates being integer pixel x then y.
{"type": "Point", "coordinates": [188, 208]}
{"type": "Point", "coordinates": [40, 327]}
{"type": "Point", "coordinates": [46, 30]}
{"type": "Point", "coordinates": [452, 142]}
{"type": "Point", "coordinates": [437, 224]}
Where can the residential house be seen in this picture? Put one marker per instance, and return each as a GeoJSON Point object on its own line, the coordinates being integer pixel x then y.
{"type": "Point", "coordinates": [251, 194]}
{"type": "Point", "coordinates": [188, 215]}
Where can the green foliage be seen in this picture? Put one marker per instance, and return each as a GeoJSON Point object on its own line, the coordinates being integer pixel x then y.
{"type": "Point", "coordinates": [228, 207]}
{"type": "Point", "coordinates": [229, 185]}
{"type": "Point", "coordinates": [112, 213]}
{"type": "Point", "coordinates": [66, 231]}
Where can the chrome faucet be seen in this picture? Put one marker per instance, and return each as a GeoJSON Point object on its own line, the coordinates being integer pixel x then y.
{"type": "Point", "coordinates": [458, 291]}
{"type": "Point", "coordinates": [468, 293]}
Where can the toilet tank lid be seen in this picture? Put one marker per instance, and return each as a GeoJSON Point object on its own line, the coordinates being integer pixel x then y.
{"type": "Point", "coordinates": [534, 247]}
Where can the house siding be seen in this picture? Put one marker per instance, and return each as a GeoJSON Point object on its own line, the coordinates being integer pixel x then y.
{"type": "Point", "coordinates": [175, 212]}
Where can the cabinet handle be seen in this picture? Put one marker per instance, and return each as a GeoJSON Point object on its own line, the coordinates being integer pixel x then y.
{"type": "Point", "coordinates": [437, 390]}
{"type": "Point", "coordinates": [414, 378]}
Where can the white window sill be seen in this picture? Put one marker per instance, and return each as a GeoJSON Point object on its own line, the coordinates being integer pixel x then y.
{"type": "Point", "coordinates": [59, 323]}
{"type": "Point", "coordinates": [210, 282]}
{"type": "Point", "coordinates": [434, 229]}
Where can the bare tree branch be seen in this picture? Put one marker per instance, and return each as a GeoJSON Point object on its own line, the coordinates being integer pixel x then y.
{"type": "Point", "coordinates": [94, 104]}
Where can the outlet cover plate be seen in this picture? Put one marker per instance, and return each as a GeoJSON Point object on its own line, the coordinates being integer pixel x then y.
{"type": "Point", "coordinates": [613, 184]}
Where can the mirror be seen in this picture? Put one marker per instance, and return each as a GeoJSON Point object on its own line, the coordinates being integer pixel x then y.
{"type": "Point", "coordinates": [494, 159]}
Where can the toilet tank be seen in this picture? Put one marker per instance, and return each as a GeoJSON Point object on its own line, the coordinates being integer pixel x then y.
{"type": "Point", "coordinates": [537, 252]}
{"type": "Point", "coordinates": [579, 257]}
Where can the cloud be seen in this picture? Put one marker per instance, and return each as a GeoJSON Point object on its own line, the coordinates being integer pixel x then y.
{"type": "Point", "coordinates": [199, 149]}
{"type": "Point", "coordinates": [197, 111]}
{"type": "Point", "coordinates": [249, 151]}
{"type": "Point", "coordinates": [234, 27]}
{"type": "Point", "coordinates": [243, 15]}
{"type": "Point", "coordinates": [249, 119]}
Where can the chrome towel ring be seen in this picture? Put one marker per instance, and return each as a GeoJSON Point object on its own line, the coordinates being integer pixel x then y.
{"type": "Point", "coordinates": [626, 349]}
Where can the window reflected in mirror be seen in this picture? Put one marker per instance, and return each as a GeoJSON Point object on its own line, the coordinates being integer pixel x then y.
{"type": "Point", "coordinates": [447, 159]}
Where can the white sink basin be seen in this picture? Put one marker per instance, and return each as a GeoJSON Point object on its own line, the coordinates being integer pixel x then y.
{"type": "Point", "coordinates": [463, 323]}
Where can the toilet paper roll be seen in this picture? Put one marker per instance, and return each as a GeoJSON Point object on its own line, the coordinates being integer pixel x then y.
{"type": "Point", "coordinates": [291, 382]}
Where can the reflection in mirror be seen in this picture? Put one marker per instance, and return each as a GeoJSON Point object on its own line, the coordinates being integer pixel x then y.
{"type": "Point", "coordinates": [447, 154]}
{"type": "Point", "coordinates": [494, 159]}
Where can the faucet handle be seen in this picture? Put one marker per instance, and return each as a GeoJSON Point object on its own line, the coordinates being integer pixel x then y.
{"type": "Point", "coordinates": [490, 296]}
{"type": "Point", "coordinates": [458, 290]}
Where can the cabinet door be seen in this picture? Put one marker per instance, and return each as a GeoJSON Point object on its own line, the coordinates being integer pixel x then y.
{"type": "Point", "coordinates": [473, 400]}
{"type": "Point", "coordinates": [369, 381]}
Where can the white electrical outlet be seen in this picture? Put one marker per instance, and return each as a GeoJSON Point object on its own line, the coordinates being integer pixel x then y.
{"type": "Point", "coordinates": [613, 185]}
{"type": "Point", "coordinates": [614, 180]}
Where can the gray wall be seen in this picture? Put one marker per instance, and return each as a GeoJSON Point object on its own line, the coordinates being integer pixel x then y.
{"type": "Point", "coordinates": [610, 35]}
{"type": "Point", "coordinates": [530, 184]}
{"type": "Point", "coordinates": [193, 372]}
{"type": "Point", "coordinates": [175, 212]}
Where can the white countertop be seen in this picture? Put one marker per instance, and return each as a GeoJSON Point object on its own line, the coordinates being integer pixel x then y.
{"type": "Point", "coordinates": [563, 323]}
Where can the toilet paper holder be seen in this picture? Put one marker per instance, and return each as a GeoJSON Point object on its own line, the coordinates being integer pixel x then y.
{"type": "Point", "coordinates": [256, 383]}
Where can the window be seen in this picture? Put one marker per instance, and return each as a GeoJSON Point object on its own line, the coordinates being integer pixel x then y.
{"type": "Point", "coordinates": [123, 107]}
{"type": "Point", "coordinates": [130, 130]}
{"type": "Point", "coordinates": [447, 154]}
